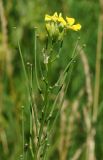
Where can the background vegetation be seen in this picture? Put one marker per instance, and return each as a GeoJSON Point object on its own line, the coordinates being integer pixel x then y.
{"type": "Point", "coordinates": [79, 130]}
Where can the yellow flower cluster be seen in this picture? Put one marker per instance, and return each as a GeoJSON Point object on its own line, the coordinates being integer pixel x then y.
{"type": "Point", "coordinates": [68, 23]}
{"type": "Point", "coordinates": [56, 24]}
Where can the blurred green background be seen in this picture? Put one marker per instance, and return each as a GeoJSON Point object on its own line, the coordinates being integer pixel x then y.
{"type": "Point", "coordinates": [17, 21]}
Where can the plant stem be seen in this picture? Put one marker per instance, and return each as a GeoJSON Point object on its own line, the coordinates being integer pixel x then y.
{"type": "Point", "coordinates": [24, 69]}
{"type": "Point", "coordinates": [23, 131]}
{"type": "Point", "coordinates": [35, 56]}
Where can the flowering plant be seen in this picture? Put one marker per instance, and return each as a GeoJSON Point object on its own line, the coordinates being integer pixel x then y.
{"type": "Point", "coordinates": [44, 118]}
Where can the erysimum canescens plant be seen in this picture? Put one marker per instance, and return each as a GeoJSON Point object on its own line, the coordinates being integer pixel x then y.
{"type": "Point", "coordinates": [45, 113]}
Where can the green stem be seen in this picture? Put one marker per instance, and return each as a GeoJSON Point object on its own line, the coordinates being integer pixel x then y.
{"type": "Point", "coordinates": [61, 102]}
{"type": "Point", "coordinates": [35, 56]}
{"type": "Point", "coordinates": [44, 112]}
{"type": "Point", "coordinates": [74, 55]}
{"type": "Point", "coordinates": [64, 75]}
{"type": "Point", "coordinates": [23, 131]}
{"type": "Point", "coordinates": [24, 69]}
{"type": "Point", "coordinates": [45, 106]}
{"type": "Point", "coordinates": [31, 133]}
{"type": "Point", "coordinates": [33, 103]}
{"type": "Point", "coordinates": [32, 112]}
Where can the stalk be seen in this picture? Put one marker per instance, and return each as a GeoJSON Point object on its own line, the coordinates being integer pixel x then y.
{"type": "Point", "coordinates": [35, 57]}
{"type": "Point", "coordinates": [23, 131]}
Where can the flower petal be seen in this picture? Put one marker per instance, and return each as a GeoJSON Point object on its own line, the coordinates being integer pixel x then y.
{"type": "Point", "coordinates": [55, 14]}
{"type": "Point", "coordinates": [48, 17]}
{"type": "Point", "coordinates": [70, 21]}
{"type": "Point", "coordinates": [55, 17]}
{"type": "Point", "coordinates": [60, 14]}
{"type": "Point", "coordinates": [75, 27]}
{"type": "Point", "coordinates": [61, 20]}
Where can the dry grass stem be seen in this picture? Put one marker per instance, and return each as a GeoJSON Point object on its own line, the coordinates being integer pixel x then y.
{"type": "Point", "coordinates": [7, 51]}
{"type": "Point", "coordinates": [98, 63]}
{"type": "Point", "coordinates": [87, 77]}
{"type": "Point", "coordinates": [78, 153]}
{"type": "Point", "coordinates": [66, 131]}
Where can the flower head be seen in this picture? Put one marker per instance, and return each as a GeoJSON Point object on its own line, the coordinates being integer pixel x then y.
{"type": "Point", "coordinates": [56, 25]}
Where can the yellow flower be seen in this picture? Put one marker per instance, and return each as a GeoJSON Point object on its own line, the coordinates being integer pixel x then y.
{"type": "Point", "coordinates": [55, 18]}
{"type": "Point", "coordinates": [71, 25]}
{"type": "Point", "coordinates": [75, 27]}
{"type": "Point", "coordinates": [61, 20]}
{"type": "Point", "coordinates": [56, 25]}
{"type": "Point", "coordinates": [51, 18]}
{"type": "Point", "coordinates": [48, 18]}
{"type": "Point", "coordinates": [70, 21]}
